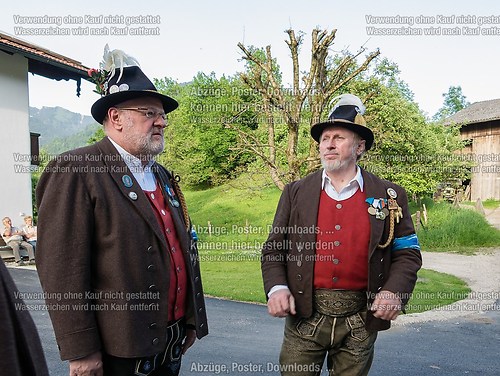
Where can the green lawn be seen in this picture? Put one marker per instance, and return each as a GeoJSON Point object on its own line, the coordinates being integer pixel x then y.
{"type": "Point", "coordinates": [230, 218]}
{"type": "Point", "coordinates": [487, 204]}
{"type": "Point", "coordinates": [435, 289]}
{"type": "Point", "coordinates": [237, 277]}
{"type": "Point", "coordinates": [235, 280]}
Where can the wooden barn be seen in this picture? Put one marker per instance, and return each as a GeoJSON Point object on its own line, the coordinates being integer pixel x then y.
{"type": "Point", "coordinates": [480, 127]}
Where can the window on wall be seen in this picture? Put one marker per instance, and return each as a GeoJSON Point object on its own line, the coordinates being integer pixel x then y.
{"type": "Point", "coordinates": [35, 149]}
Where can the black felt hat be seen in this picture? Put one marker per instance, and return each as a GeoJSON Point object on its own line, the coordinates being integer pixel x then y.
{"type": "Point", "coordinates": [347, 113]}
{"type": "Point", "coordinates": [124, 84]}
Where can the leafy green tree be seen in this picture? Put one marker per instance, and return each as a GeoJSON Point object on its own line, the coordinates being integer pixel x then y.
{"type": "Point", "coordinates": [43, 160]}
{"type": "Point", "coordinates": [199, 146]}
{"type": "Point", "coordinates": [97, 136]}
{"type": "Point", "coordinates": [279, 143]}
{"type": "Point", "coordinates": [454, 101]}
{"type": "Point", "coordinates": [408, 149]}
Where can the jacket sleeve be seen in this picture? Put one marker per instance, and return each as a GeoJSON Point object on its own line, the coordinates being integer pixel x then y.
{"type": "Point", "coordinates": [406, 259]}
{"type": "Point", "coordinates": [21, 352]}
{"type": "Point", "coordinates": [275, 249]}
{"type": "Point", "coordinates": [64, 257]}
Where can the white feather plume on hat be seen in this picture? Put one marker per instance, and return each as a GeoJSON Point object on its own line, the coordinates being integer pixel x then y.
{"type": "Point", "coordinates": [348, 100]}
{"type": "Point", "coordinates": [111, 58]}
{"type": "Point", "coordinates": [347, 113]}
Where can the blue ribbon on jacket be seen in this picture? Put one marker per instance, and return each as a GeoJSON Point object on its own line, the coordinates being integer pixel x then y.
{"type": "Point", "coordinates": [406, 242]}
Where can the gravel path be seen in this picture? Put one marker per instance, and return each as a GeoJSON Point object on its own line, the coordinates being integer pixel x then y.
{"type": "Point", "coordinates": [493, 216]}
{"type": "Point", "coordinates": [481, 272]}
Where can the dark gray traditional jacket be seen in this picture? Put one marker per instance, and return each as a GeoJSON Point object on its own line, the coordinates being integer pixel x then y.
{"type": "Point", "coordinates": [393, 268]}
{"type": "Point", "coordinates": [103, 259]}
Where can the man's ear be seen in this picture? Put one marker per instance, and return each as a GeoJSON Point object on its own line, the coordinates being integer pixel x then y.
{"type": "Point", "coordinates": [361, 147]}
{"type": "Point", "coordinates": [114, 118]}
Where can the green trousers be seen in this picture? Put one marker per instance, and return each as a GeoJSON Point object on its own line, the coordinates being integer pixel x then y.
{"type": "Point", "coordinates": [344, 341]}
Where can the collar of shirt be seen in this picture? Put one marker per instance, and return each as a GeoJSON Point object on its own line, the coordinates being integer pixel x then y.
{"type": "Point", "coordinates": [143, 174]}
{"type": "Point", "coordinates": [348, 191]}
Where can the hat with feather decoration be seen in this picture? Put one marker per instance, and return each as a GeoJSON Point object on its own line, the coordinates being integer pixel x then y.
{"type": "Point", "coordinates": [119, 79]}
{"type": "Point", "coordinates": [347, 113]}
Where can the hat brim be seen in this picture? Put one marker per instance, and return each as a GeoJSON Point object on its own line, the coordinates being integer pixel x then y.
{"type": "Point", "coordinates": [364, 132]}
{"type": "Point", "coordinates": [100, 108]}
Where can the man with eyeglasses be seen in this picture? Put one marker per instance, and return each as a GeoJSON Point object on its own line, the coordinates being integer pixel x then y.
{"type": "Point", "coordinates": [117, 255]}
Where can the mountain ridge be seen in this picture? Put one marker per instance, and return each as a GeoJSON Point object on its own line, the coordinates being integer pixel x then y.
{"type": "Point", "coordinates": [61, 129]}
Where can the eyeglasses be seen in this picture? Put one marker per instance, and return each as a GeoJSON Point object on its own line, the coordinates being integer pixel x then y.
{"type": "Point", "coordinates": [148, 112]}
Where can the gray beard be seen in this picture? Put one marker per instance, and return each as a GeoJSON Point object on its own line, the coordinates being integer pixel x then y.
{"type": "Point", "coordinates": [149, 147]}
{"type": "Point", "coordinates": [146, 149]}
{"type": "Point", "coordinates": [336, 165]}
{"type": "Point", "coordinates": [332, 166]}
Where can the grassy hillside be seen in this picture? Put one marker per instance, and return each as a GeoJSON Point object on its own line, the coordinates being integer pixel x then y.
{"type": "Point", "coordinates": [229, 218]}
{"type": "Point", "coordinates": [240, 219]}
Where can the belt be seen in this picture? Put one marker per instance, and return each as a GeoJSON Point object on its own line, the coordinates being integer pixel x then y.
{"type": "Point", "coordinates": [339, 303]}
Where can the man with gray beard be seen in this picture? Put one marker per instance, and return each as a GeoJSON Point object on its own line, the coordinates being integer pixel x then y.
{"type": "Point", "coordinates": [339, 285]}
{"type": "Point", "coordinates": [116, 242]}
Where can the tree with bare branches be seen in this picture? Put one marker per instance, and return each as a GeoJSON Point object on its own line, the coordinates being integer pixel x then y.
{"type": "Point", "coordinates": [309, 92]}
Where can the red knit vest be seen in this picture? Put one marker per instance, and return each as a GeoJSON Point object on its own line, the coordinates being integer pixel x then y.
{"type": "Point", "coordinates": [342, 243]}
{"type": "Point", "coordinates": [178, 274]}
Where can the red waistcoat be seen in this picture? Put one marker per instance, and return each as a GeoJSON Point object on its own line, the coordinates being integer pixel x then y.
{"type": "Point", "coordinates": [341, 261]}
{"type": "Point", "coordinates": [178, 274]}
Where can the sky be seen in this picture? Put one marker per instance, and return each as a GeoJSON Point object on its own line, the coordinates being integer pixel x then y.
{"type": "Point", "coordinates": [202, 36]}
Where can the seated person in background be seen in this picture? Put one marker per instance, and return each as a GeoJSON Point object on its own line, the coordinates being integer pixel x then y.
{"type": "Point", "coordinates": [29, 231]}
{"type": "Point", "coordinates": [13, 237]}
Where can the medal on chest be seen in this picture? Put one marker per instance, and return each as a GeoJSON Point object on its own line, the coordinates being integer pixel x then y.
{"type": "Point", "coordinates": [380, 208]}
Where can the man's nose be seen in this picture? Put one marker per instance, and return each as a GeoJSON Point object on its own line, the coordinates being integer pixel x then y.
{"type": "Point", "coordinates": [331, 144]}
{"type": "Point", "coordinates": [160, 122]}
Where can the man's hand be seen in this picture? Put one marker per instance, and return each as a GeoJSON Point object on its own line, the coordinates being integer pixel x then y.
{"type": "Point", "coordinates": [281, 303]}
{"type": "Point", "coordinates": [189, 340]}
{"type": "Point", "coordinates": [386, 306]}
{"type": "Point", "coordinates": [91, 365]}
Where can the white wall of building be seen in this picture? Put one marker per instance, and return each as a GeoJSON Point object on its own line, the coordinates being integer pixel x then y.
{"type": "Point", "coordinates": [15, 176]}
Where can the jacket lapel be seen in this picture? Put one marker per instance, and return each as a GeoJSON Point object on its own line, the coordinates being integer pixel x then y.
{"type": "Point", "coordinates": [120, 173]}
{"type": "Point", "coordinates": [175, 211]}
{"type": "Point", "coordinates": [374, 188]}
{"type": "Point", "coordinates": [307, 206]}
{"type": "Point", "coordinates": [310, 200]}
